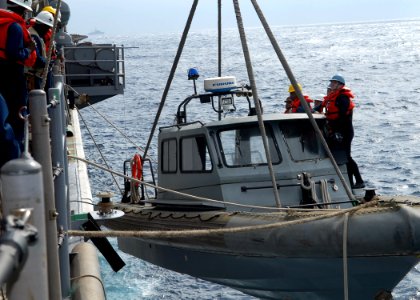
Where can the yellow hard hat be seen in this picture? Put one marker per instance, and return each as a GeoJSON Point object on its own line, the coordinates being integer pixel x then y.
{"type": "Point", "coordinates": [50, 9]}
{"type": "Point", "coordinates": [292, 89]}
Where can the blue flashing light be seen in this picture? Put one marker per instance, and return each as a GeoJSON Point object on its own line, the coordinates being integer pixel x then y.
{"type": "Point", "coordinates": [193, 74]}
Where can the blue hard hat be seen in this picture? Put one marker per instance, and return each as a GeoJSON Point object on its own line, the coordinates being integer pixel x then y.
{"type": "Point", "coordinates": [339, 78]}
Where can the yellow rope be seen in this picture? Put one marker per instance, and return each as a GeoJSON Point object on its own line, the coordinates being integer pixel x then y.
{"type": "Point", "coordinates": [205, 232]}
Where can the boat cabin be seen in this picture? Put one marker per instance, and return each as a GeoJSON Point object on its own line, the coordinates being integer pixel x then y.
{"type": "Point", "coordinates": [225, 160]}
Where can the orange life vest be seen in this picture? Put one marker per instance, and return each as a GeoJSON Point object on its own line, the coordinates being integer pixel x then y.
{"type": "Point", "coordinates": [47, 39]}
{"type": "Point", "coordinates": [332, 111]}
{"type": "Point", "coordinates": [296, 103]}
{"type": "Point", "coordinates": [6, 19]}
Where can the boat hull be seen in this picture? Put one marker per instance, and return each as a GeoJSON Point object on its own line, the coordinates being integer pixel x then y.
{"type": "Point", "coordinates": [279, 277]}
{"type": "Point", "coordinates": [294, 254]}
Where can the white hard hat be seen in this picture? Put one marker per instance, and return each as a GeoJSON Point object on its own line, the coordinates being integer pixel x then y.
{"type": "Point", "coordinates": [319, 97]}
{"type": "Point", "coordinates": [24, 3]}
{"type": "Point", "coordinates": [52, 10]}
{"type": "Point", "coordinates": [45, 18]}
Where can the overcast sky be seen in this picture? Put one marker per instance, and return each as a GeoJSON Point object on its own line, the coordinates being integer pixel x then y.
{"type": "Point", "coordinates": [151, 16]}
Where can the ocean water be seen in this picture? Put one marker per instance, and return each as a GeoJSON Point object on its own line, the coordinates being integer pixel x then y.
{"type": "Point", "coordinates": [380, 62]}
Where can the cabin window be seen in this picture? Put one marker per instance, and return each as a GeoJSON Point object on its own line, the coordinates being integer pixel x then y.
{"type": "Point", "coordinates": [169, 156]}
{"type": "Point", "coordinates": [302, 140]}
{"type": "Point", "coordinates": [244, 146]}
{"type": "Point", "coordinates": [195, 156]}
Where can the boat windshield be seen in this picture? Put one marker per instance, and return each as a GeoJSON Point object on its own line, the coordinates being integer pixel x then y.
{"type": "Point", "coordinates": [301, 140]}
{"type": "Point", "coordinates": [243, 146]}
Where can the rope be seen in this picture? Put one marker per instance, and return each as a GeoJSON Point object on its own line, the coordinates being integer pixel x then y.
{"type": "Point", "coordinates": [205, 232]}
{"type": "Point", "coordinates": [310, 187]}
{"type": "Point", "coordinates": [172, 191]}
{"type": "Point", "coordinates": [345, 265]}
{"type": "Point", "coordinates": [300, 96]}
{"type": "Point", "coordinates": [134, 193]}
{"type": "Point", "coordinates": [172, 73]}
{"type": "Point", "coordinates": [180, 193]}
{"type": "Point", "coordinates": [84, 202]}
{"type": "Point", "coordinates": [70, 87]}
{"type": "Point", "coordinates": [256, 98]}
{"type": "Point", "coordinates": [99, 150]}
{"type": "Point", "coordinates": [119, 130]}
{"type": "Point", "coordinates": [47, 63]}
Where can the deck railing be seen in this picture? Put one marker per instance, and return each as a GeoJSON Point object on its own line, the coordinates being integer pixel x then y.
{"type": "Point", "coordinates": [96, 70]}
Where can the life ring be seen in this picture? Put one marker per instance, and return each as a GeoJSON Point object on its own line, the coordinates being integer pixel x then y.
{"type": "Point", "coordinates": [137, 168]}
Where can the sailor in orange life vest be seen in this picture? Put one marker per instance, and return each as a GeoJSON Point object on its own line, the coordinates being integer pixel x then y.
{"type": "Point", "coordinates": [293, 104]}
{"type": "Point", "coordinates": [47, 35]}
{"type": "Point", "coordinates": [339, 107]}
{"type": "Point", "coordinates": [16, 51]}
{"type": "Point", "coordinates": [44, 21]}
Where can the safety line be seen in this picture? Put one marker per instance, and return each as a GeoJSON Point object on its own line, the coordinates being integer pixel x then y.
{"type": "Point", "coordinates": [205, 232]}
{"type": "Point", "coordinates": [184, 194]}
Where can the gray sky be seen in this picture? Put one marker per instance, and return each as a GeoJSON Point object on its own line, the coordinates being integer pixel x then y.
{"type": "Point", "coordinates": [151, 16]}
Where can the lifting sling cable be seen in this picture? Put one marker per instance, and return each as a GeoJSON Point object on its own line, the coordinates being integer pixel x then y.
{"type": "Point", "coordinates": [47, 63]}
{"type": "Point", "coordinates": [219, 49]}
{"type": "Point", "coordinates": [219, 29]}
{"type": "Point", "coordinates": [256, 98]}
{"type": "Point", "coordinates": [300, 96]}
{"type": "Point", "coordinates": [172, 73]}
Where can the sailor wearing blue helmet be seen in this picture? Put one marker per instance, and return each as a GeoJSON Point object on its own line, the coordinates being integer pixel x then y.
{"type": "Point", "coordinates": [338, 78]}
{"type": "Point", "coordinates": [339, 107]}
